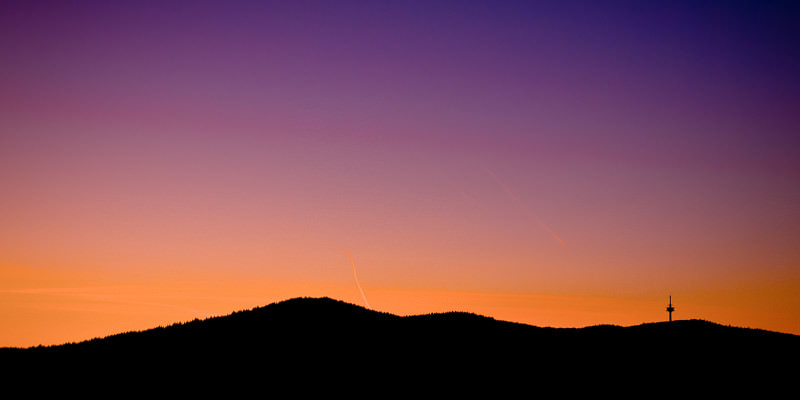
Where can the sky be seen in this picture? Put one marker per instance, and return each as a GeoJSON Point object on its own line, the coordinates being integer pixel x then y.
{"type": "Point", "coordinates": [560, 163]}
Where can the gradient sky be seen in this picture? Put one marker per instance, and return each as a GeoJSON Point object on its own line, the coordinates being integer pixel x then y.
{"type": "Point", "coordinates": [555, 163]}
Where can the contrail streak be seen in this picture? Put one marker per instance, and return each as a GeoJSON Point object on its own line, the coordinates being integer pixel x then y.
{"type": "Point", "coordinates": [355, 276]}
{"type": "Point", "coordinates": [524, 207]}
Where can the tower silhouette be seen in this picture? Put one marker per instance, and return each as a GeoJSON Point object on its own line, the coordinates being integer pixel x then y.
{"type": "Point", "coordinates": [670, 308]}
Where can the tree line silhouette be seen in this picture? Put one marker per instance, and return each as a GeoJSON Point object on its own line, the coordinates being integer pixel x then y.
{"type": "Point", "coordinates": [329, 340]}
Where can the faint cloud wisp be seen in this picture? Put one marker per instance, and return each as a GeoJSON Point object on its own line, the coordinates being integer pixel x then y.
{"type": "Point", "coordinates": [355, 276]}
{"type": "Point", "coordinates": [524, 208]}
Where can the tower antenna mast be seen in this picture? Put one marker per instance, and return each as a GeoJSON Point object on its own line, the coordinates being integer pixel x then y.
{"type": "Point", "coordinates": [670, 308]}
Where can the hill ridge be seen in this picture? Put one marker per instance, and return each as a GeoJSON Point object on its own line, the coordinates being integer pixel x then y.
{"type": "Point", "coordinates": [317, 307]}
{"type": "Point", "coordinates": [322, 341]}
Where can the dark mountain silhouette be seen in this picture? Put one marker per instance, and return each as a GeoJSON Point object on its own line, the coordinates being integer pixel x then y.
{"type": "Point", "coordinates": [324, 340]}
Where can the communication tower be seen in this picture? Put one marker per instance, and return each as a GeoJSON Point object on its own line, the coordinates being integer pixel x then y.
{"type": "Point", "coordinates": [670, 308]}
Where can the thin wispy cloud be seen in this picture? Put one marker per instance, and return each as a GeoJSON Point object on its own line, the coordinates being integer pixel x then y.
{"type": "Point", "coordinates": [524, 207]}
{"type": "Point", "coordinates": [355, 276]}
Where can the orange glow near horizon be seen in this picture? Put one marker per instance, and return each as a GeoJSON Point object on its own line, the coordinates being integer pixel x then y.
{"type": "Point", "coordinates": [53, 307]}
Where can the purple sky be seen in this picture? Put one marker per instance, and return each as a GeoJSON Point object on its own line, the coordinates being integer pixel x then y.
{"type": "Point", "coordinates": [659, 141]}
